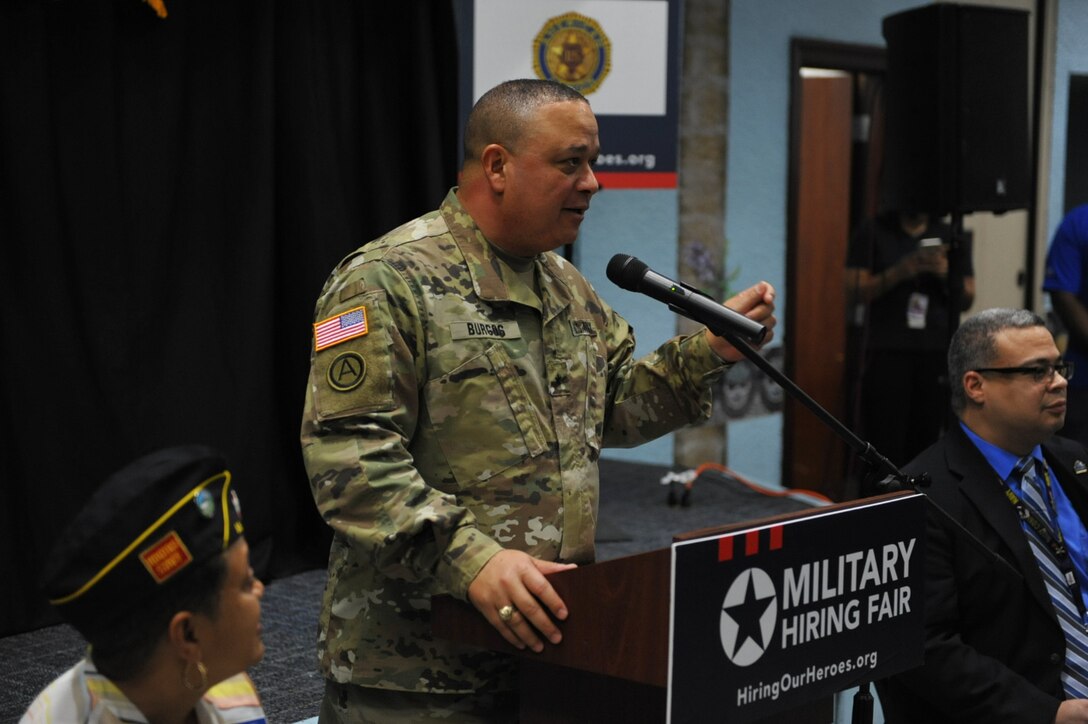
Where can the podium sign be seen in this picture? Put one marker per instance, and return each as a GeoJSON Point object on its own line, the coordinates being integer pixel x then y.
{"type": "Point", "coordinates": [766, 618]}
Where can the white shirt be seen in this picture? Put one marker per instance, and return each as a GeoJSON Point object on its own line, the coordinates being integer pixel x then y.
{"type": "Point", "coordinates": [82, 695]}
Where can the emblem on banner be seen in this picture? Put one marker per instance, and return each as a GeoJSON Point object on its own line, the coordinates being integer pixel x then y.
{"type": "Point", "coordinates": [574, 50]}
{"type": "Point", "coordinates": [749, 613]}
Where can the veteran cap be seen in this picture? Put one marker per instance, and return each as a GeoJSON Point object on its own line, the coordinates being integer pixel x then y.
{"type": "Point", "coordinates": [140, 533]}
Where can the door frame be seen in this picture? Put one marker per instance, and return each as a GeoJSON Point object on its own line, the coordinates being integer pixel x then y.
{"type": "Point", "coordinates": [811, 53]}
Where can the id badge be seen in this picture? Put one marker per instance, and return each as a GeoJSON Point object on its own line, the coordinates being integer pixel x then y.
{"type": "Point", "coordinates": [916, 310]}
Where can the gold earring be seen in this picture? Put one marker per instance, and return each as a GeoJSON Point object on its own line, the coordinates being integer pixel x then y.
{"type": "Point", "coordinates": [200, 669]}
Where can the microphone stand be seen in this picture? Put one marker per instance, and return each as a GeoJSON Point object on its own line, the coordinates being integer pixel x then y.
{"type": "Point", "coordinates": [863, 700]}
{"type": "Point", "coordinates": [863, 449]}
{"type": "Point", "coordinates": [894, 478]}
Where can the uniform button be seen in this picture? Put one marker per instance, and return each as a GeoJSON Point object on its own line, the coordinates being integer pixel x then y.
{"type": "Point", "coordinates": [1055, 658]}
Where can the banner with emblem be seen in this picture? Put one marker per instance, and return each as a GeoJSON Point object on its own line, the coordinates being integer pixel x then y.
{"type": "Point", "coordinates": [768, 618]}
{"type": "Point", "coordinates": [623, 55]}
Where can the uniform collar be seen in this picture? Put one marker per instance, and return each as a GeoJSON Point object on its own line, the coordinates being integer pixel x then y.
{"type": "Point", "coordinates": [486, 268]}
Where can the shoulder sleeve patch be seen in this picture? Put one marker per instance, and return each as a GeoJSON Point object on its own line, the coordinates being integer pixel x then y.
{"type": "Point", "coordinates": [354, 374]}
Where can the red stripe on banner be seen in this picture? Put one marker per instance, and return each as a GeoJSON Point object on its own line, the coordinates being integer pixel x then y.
{"type": "Point", "coordinates": [636, 179]}
{"type": "Point", "coordinates": [725, 549]}
{"type": "Point", "coordinates": [776, 537]}
{"type": "Point", "coordinates": [751, 543]}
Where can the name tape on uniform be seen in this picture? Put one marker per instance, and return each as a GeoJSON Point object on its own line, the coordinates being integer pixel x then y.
{"type": "Point", "coordinates": [485, 330]}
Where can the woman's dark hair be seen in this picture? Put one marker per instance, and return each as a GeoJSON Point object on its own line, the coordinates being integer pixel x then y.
{"type": "Point", "coordinates": [121, 651]}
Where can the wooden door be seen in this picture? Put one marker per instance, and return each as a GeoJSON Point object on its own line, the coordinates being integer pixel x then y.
{"type": "Point", "coordinates": [815, 341]}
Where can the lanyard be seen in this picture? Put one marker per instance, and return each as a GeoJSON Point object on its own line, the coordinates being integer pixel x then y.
{"type": "Point", "coordinates": [1055, 541]}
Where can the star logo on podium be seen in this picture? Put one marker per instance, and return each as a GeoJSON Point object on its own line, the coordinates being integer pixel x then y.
{"type": "Point", "coordinates": [749, 614]}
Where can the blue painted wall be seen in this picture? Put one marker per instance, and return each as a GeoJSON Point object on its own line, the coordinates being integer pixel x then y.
{"type": "Point", "coordinates": [758, 159]}
{"type": "Point", "coordinates": [644, 223]}
{"type": "Point", "coordinates": [1071, 57]}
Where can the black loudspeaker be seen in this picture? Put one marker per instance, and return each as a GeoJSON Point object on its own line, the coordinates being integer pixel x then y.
{"type": "Point", "coordinates": [956, 102]}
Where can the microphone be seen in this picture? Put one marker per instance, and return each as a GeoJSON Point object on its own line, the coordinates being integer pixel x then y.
{"type": "Point", "coordinates": [629, 273]}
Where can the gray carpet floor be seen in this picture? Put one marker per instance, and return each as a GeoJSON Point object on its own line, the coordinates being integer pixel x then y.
{"type": "Point", "coordinates": [635, 516]}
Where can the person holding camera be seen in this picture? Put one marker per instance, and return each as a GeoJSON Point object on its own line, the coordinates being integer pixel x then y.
{"type": "Point", "coordinates": [897, 279]}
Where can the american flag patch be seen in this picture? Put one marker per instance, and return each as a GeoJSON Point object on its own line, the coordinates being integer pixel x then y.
{"type": "Point", "coordinates": [342, 327]}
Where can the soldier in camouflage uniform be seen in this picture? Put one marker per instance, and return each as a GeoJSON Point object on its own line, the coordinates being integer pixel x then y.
{"type": "Point", "coordinates": [463, 382]}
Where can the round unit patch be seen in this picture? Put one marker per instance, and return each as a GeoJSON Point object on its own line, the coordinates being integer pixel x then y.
{"type": "Point", "coordinates": [573, 49]}
{"type": "Point", "coordinates": [346, 371]}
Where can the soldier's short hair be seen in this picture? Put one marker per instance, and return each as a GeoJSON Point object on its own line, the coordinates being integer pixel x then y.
{"type": "Point", "coordinates": [122, 650]}
{"type": "Point", "coordinates": [501, 114]}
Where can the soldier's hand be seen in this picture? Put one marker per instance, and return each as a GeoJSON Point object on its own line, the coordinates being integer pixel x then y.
{"type": "Point", "coordinates": [516, 579]}
{"type": "Point", "coordinates": [755, 302]}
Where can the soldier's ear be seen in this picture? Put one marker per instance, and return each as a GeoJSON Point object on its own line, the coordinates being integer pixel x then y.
{"type": "Point", "coordinates": [495, 161]}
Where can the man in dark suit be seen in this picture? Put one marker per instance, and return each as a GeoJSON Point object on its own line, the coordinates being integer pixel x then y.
{"type": "Point", "coordinates": [997, 649]}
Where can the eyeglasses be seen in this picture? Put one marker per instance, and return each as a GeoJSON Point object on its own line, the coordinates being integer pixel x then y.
{"type": "Point", "coordinates": [1040, 373]}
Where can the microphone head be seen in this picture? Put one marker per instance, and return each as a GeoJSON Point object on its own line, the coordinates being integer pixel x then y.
{"type": "Point", "coordinates": [626, 272]}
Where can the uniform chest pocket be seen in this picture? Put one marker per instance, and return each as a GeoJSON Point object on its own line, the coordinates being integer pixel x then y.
{"type": "Point", "coordinates": [483, 418]}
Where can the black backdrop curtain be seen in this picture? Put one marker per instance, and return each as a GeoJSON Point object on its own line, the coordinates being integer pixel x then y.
{"type": "Point", "coordinates": [173, 193]}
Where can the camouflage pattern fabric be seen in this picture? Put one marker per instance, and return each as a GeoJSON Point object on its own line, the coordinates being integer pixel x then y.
{"type": "Point", "coordinates": [465, 416]}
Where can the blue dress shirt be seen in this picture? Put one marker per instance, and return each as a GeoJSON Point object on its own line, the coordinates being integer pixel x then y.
{"type": "Point", "coordinates": [1073, 530]}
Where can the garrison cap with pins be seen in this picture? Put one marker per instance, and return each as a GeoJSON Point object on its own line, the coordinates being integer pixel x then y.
{"type": "Point", "coordinates": [149, 523]}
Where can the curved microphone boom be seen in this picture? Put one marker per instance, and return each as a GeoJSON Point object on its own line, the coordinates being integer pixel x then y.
{"type": "Point", "coordinates": [629, 273]}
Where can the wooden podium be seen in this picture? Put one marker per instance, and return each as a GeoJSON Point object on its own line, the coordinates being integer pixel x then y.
{"type": "Point", "coordinates": [612, 665]}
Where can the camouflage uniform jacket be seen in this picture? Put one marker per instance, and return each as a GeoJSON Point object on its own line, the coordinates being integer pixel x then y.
{"type": "Point", "coordinates": [461, 413]}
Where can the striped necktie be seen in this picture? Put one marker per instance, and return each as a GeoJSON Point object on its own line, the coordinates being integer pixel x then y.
{"type": "Point", "coordinates": [1034, 496]}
